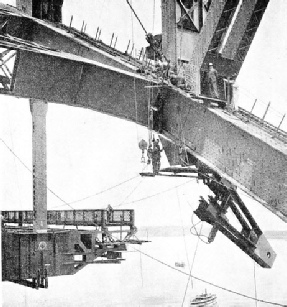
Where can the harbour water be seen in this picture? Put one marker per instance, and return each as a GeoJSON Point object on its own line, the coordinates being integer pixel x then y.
{"type": "Point", "coordinates": [143, 281]}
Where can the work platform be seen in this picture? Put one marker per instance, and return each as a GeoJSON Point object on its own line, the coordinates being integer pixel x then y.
{"type": "Point", "coordinates": [74, 217]}
{"type": "Point", "coordinates": [29, 257]}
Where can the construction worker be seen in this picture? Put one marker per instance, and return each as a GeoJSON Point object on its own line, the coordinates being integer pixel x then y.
{"type": "Point", "coordinates": [166, 69]}
{"type": "Point", "coordinates": [156, 157]}
{"type": "Point", "coordinates": [149, 154]}
{"type": "Point", "coordinates": [155, 45]}
{"type": "Point", "coordinates": [212, 81]}
{"type": "Point", "coordinates": [158, 114]}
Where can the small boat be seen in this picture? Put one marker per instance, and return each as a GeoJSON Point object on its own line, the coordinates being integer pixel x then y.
{"type": "Point", "coordinates": [180, 264]}
{"type": "Point", "coordinates": [204, 300]}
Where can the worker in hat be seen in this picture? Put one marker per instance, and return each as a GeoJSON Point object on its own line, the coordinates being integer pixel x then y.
{"type": "Point", "coordinates": [156, 157]}
{"type": "Point", "coordinates": [212, 81]}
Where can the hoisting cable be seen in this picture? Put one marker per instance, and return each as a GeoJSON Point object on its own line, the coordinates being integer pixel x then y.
{"type": "Point", "coordinates": [178, 201]}
{"type": "Point", "coordinates": [255, 288]}
{"type": "Point", "coordinates": [136, 16]}
{"type": "Point", "coordinates": [134, 86]}
{"type": "Point", "coordinates": [208, 282]}
{"type": "Point", "coordinates": [146, 33]}
{"type": "Point", "coordinates": [141, 267]}
{"type": "Point", "coordinates": [190, 276]}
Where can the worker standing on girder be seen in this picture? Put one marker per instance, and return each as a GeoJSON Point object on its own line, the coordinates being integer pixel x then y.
{"type": "Point", "coordinates": [156, 157]}
{"type": "Point", "coordinates": [149, 154]}
{"type": "Point", "coordinates": [158, 113]}
{"type": "Point", "coordinates": [212, 81]}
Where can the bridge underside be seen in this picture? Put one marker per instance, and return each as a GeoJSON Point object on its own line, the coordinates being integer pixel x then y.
{"type": "Point", "coordinates": [239, 152]}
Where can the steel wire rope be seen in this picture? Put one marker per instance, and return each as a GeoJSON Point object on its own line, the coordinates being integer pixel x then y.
{"type": "Point", "coordinates": [199, 235]}
{"type": "Point", "coordinates": [40, 178]}
{"type": "Point", "coordinates": [57, 196]}
{"type": "Point", "coordinates": [127, 197]}
{"type": "Point", "coordinates": [18, 186]}
{"type": "Point", "coordinates": [255, 287]}
{"type": "Point", "coordinates": [190, 270]}
{"type": "Point", "coordinates": [161, 192]}
{"type": "Point", "coordinates": [142, 26]}
{"type": "Point", "coordinates": [184, 239]}
{"type": "Point", "coordinates": [137, 200]}
{"type": "Point", "coordinates": [100, 192]}
{"type": "Point", "coordinates": [208, 282]}
{"type": "Point", "coordinates": [136, 16]}
{"type": "Point", "coordinates": [197, 278]}
{"type": "Point", "coordinates": [169, 189]}
{"type": "Point", "coordinates": [200, 279]}
{"type": "Point", "coordinates": [134, 83]}
{"type": "Point", "coordinates": [141, 268]}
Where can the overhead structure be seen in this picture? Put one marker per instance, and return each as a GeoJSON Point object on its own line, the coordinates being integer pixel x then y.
{"type": "Point", "coordinates": [224, 32]}
{"type": "Point", "coordinates": [32, 251]}
{"type": "Point", "coordinates": [243, 153]}
{"type": "Point", "coordinates": [51, 63]}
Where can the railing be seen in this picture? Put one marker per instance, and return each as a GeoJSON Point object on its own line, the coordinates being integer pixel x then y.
{"type": "Point", "coordinates": [267, 118]}
{"type": "Point", "coordinates": [74, 217]}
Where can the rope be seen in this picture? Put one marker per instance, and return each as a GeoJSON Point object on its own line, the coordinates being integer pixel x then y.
{"type": "Point", "coordinates": [134, 85]}
{"type": "Point", "coordinates": [189, 276]}
{"type": "Point", "coordinates": [18, 186]}
{"type": "Point", "coordinates": [153, 258]}
{"type": "Point", "coordinates": [98, 193]}
{"type": "Point", "coordinates": [210, 283]}
{"type": "Point", "coordinates": [76, 201]}
{"type": "Point", "coordinates": [136, 16]}
{"type": "Point", "coordinates": [178, 201]}
{"type": "Point", "coordinates": [199, 235]}
{"type": "Point", "coordinates": [141, 267]}
{"type": "Point", "coordinates": [129, 194]}
{"type": "Point", "coordinates": [255, 288]}
{"type": "Point", "coordinates": [153, 195]}
{"type": "Point", "coordinates": [57, 196]}
{"type": "Point", "coordinates": [153, 17]}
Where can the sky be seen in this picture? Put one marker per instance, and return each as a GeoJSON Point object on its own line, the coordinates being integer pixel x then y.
{"type": "Point", "coordinates": [90, 152]}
